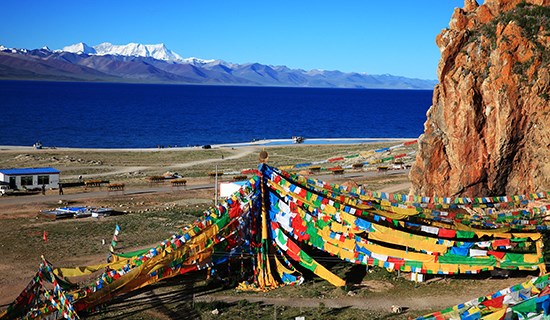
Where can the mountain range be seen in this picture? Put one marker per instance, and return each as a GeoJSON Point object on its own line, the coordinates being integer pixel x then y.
{"type": "Point", "coordinates": [140, 63]}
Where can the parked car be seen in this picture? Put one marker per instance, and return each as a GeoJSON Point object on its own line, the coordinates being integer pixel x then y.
{"type": "Point", "coordinates": [5, 189]}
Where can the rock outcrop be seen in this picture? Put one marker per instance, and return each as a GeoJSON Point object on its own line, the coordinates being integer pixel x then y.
{"type": "Point", "coordinates": [488, 130]}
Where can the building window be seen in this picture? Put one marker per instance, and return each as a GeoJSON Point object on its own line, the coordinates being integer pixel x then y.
{"type": "Point", "coordinates": [26, 180]}
{"type": "Point", "coordinates": [43, 180]}
{"type": "Point", "coordinates": [13, 183]}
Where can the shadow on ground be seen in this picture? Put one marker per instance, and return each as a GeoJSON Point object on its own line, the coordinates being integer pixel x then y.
{"type": "Point", "coordinates": [169, 299]}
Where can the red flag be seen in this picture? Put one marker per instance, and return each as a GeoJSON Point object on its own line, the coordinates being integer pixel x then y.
{"type": "Point", "coordinates": [45, 236]}
{"type": "Point", "coordinates": [494, 303]}
{"type": "Point", "coordinates": [498, 255]}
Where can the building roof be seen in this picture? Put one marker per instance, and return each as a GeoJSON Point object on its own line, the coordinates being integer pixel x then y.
{"type": "Point", "coordinates": [239, 183]}
{"type": "Point", "coordinates": [24, 171]}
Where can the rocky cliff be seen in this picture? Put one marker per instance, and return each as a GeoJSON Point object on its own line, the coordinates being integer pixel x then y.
{"type": "Point", "coordinates": [488, 130]}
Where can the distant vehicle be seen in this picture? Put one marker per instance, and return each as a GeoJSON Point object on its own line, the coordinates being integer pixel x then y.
{"type": "Point", "coordinates": [5, 189]}
{"type": "Point", "coordinates": [207, 146]}
{"type": "Point", "coordinates": [298, 139]}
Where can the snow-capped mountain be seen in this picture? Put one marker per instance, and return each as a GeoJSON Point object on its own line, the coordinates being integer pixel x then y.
{"type": "Point", "coordinates": [198, 61]}
{"type": "Point", "coordinates": [143, 63]}
{"type": "Point", "coordinates": [79, 48]}
{"type": "Point", "coordinates": [155, 51]}
{"type": "Point", "coordinates": [12, 50]}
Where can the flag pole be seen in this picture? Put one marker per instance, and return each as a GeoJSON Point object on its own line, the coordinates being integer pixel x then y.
{"type": "Point", "coordinates": [216, 188]}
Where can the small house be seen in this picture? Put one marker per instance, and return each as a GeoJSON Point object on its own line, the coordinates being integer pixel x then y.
{"type": "Point", "coordinates": [30, 178]}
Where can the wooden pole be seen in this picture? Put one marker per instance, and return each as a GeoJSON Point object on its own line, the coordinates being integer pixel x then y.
{"type": "Point", "coordinates": [216, 189]}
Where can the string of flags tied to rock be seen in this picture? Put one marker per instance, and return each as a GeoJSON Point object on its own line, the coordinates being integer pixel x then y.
{"type": "Point", "coordinates": [282, 227]}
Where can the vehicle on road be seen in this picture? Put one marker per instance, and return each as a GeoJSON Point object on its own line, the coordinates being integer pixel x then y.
{"type": "Point", "coordinates": [5, 189]}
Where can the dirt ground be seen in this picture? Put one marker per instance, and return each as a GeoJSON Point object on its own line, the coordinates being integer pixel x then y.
{"type": "Point", "coordinates": [151, 213]}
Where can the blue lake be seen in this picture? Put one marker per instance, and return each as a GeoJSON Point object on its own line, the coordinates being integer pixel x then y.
{"type": "Point", "coordinates": [114, 115]}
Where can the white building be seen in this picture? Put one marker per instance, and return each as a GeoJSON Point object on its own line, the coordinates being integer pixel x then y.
{"type": "Point", "coordinates": [30, 178]}
{"type": "Point", "coordinates": [228, 188]}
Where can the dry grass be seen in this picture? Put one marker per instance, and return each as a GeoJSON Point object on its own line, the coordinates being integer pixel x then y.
{"type": "Point", "coordinates": [134, 166]}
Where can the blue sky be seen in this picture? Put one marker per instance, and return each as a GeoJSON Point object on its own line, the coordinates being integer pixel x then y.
{"type": "Point", "coordinates": [377, 37]}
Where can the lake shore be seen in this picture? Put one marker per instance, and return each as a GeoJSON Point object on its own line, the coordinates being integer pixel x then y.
{"type": "Point", "coordinates": [257, 143]}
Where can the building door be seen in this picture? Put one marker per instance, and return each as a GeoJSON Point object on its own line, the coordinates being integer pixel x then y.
{"type": "Point", "coordinates": [13, 185]}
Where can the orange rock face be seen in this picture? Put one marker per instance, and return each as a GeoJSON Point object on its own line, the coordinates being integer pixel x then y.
{"type": "Point", "coordinates": [488, 130]}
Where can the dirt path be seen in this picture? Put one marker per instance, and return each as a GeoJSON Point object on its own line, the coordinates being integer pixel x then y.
{"type": "Point", "coordinates": [363, 303]}
{"type": "Point", "coordinates": [28, 199]}
{"type": "Point", "coordinates": [434, 300]}
{"type": "Point", "coordinates": [241, 152]}
{"type": "Point", "coordinates": [176, 297]}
